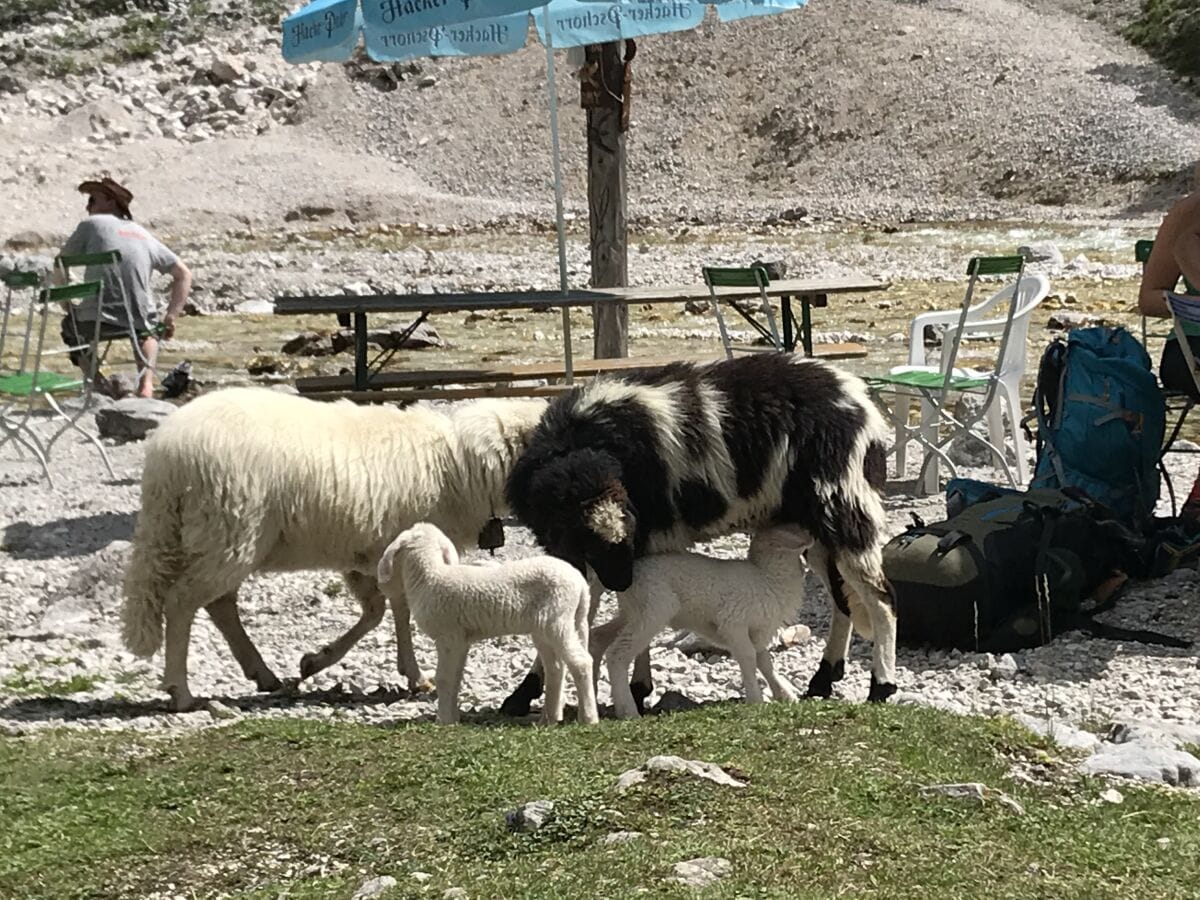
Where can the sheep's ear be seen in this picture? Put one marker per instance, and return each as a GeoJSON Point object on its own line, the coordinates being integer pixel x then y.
{"type": "Point", "coordinates": [449, 554]}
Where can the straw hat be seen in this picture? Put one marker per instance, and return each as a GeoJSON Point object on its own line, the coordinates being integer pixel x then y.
{"type": "Point", "coordinates": [119, 194]}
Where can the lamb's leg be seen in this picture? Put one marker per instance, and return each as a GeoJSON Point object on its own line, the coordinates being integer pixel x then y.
{"type": "Point", "coordinates": [781, 688]}
{"type": "Point", "coordinates": [451, 660]}
{"type": "Point", "coordinates": [178, 633]}
{"type": "Point", "coordinates": [552, 665]}
{"type": "Point", "coordinates": [575, 656]}
{"type": "Point", "coordinates": [406, 657]}
{"type": "Point", "coordinates": [864, 575]}
{"type": "Point", "coordinates": [837, 645]}
{"type": "Point", "coordinates": [224, 613]}
{"type": "Point", "coordinates": [367, 591]}
{"type": "Point", "coordinates": [599, 641]}
{"type": "Point", "coordinates": [633, 638]}
{"type": "Point", "coordinates": [743, 651]}
{"type": "Point", "coordinates": [517, 703]}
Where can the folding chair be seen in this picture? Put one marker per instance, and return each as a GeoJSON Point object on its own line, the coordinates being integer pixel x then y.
{"type": "Point", "coordinates": [95, 263]}
{"type": "Point", "coordinates": [13, 429]}
{"type": "Point", "coordinates": [1179, 403]}
{"type": "Point", "coordinates": [27, 385]}
{"type": "Point", "coordinates": [935, 387]}
{"type": "Point", "coordinates": [756, 277]}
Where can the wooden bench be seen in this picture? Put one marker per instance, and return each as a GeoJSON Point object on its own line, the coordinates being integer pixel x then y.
{"type": "Point", "coordinates": [498, 381]}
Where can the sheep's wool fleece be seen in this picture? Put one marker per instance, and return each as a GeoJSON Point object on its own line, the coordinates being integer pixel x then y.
{"type": "Point", "coordinates": [283, 482]}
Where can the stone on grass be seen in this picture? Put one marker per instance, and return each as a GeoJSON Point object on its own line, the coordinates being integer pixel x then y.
{"type": "Point", "coordinates": [1145, 762]}
{"type": "Point", "coordinates": [679, 766]}
{"type": "Point", "coordinates": [1059, 732]}
{"type": "Point", "coordinates": [374, 887]}
{"type": "Point", "coordinates": [455, 893]}
{"type": "Point", "coordinates": [219, 710]}
{"type": "Point", "coordinates": [1112, 795]}
{"type": "Point", "coordinates": [980, 793]}
{"type": "Point", "coordinates": [530, 816]}
{"type": "Point", "coordinates": [620, 837]}
{"type": "Point", "coordinates": [133, 418]}
{"type": "Point", "coordinates": [701, 872]}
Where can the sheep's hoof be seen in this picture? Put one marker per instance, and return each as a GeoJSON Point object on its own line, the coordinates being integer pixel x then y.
{"type": "Point", "coordinates": [880, 690]}
{"type": "Point", "coordinates": [268, 683]}
{"type": "Point", "coordinates": [827, 673]}
{"type": "Point", "coordinates": [181, 699]}
{"type": "Point", "coordinates": [517, 703]}
{"type": "Point", "coordinates": [640, 693]}
{"type": "Point", "coordinates": [311, 664]}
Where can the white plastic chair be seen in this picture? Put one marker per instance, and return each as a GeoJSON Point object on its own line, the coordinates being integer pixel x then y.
{"type": "Point", "coordinates": [1031, 290]}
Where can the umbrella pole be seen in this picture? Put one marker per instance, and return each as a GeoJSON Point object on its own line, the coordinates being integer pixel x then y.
{"type": "Point", "coordinates": [552, 97]}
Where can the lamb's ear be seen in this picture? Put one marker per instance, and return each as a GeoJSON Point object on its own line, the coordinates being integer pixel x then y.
{"type": "Point", "coordinates": [449, 554]}
{"type": "Point", "coordinates": [383, 573]}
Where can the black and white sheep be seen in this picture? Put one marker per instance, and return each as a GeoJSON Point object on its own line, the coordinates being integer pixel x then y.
{"type": "Point", "coordinates": [650, 462]}
{"type": "Point", "coordinates": [251, 480]}
{"type": "Point", "coordinates": [458, 605]}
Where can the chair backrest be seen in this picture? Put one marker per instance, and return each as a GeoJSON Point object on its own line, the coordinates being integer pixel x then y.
{"type": "Point", "coordinates": [15, 281]}
{"type": "Point", "coordinates": [751, 276]}
{"type": "Point", "coordinates": [979, 267]}
{"type": "Point", "coordinates": [67, 261]}
{"type": "Point", "coordinates": [1185, 310]}
{"type": "Point", "coordinates": [1030, 290]}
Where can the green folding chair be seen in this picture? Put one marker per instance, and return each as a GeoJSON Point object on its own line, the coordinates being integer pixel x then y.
{"type": "Point", "coordinates": [30, 383]}
{"type": "Point", "coordinates": [15, 429]}
{"type": "Point", "coordinates": [755, 277]}
{"type": "Point", "coordinates": [95, 264]}
{"type": "Point", "coordinates": [936, 389]}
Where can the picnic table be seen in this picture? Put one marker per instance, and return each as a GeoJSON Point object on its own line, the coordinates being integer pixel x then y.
{"type": "Point", "coordinates": [809, 292]}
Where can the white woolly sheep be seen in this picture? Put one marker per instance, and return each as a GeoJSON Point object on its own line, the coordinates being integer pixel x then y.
{"type": "Point", "coordinates": [736, 604]}
{"type": "Point", "coordinates": [457, 605]}
{"type": "Point", "coordinates": [251, 480]}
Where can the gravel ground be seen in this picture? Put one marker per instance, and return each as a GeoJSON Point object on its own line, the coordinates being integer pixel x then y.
{"type": "Point", "coordinates": [61, 663]}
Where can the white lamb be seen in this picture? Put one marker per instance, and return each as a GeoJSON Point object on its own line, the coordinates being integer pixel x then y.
{"type": "Point", "coordinates": [735, 604]}
{"type": "Point", "coordinates": [457, 605]}
{"type": "Point", "coordinates": [251, 480]}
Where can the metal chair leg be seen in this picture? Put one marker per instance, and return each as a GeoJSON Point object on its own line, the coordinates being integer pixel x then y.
{"type": "Point", "coordinates": [73, 423]}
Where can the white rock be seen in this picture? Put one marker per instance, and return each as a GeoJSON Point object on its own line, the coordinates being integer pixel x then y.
{"type": "Point", "coordinates": [701, 872]}
{"type": "Point", "coordinates": [374, 887]}
{"type": "Point", "coordinates": [620, 837]}
{"type": "Point", "coordinates": [1144, 762]}
{"type": "Point", "coordinates": [1112, 795]}
{"type": "Point", "coordinates": [677, 765]}
{"type": "Point", "coordinates": [1059, 732]}
{"type": "Point", "coordinates": [530, 816]}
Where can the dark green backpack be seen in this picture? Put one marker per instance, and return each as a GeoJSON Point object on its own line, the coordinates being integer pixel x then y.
{"type": "Point", "coordinates": [1010, 573]}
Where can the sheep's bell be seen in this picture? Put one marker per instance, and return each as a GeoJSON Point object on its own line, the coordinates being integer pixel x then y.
{"type": "Point", "coordinates": [492, 535]}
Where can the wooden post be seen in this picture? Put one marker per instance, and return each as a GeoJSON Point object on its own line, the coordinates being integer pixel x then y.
{"type": "Point", "coordinates": [606, 197]}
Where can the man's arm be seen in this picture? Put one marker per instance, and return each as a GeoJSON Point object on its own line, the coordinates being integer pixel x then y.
{"type": "Point", "coordinates": [1187, 248]}
{"type": "Point", "coordinates": [1163, 268]}
{"type": "Point", "coordinates": [181, 286]}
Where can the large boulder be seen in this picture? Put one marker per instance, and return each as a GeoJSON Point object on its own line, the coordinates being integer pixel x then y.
{"type": "Point", "coordinates": [133, 418]}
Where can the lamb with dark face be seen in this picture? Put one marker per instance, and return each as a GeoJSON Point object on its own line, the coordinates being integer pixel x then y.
{"type": "Point", "coordinates": [649, 463]}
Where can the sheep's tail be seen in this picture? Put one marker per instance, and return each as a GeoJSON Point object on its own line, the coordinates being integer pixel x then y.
{"type": "Point", "coordinates": [153, 563]}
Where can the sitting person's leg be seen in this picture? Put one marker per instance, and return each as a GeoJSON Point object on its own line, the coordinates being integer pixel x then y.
{"type": "Point", "coordinates": [1174, 374]}
{"type": "Point", "coordinates": [149, 351]}
{"type": "Point", "coordinates": [1173, 368]}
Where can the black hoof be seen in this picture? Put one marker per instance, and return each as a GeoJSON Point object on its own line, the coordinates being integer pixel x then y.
{"type": "Point", "coordinates": [268, 684]}
{"type": "Point", "coordinates": [517, 703]}
{"type": "Point", "coordinates": [640, 693]}
{"type": "Point", "coordinates": [880, 691]}
{"type": "Point", "coordinates": [308, 665]}
{"type": "Point", "coordinates": [827, 673]}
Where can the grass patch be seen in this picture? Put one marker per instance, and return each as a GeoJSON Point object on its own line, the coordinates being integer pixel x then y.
{"type": "Point", "coordinates": [832, 808]}
{"type": "Point", "coordinates": [1170, 31]}
{"type": "Point", "coordinates": [24, 684]}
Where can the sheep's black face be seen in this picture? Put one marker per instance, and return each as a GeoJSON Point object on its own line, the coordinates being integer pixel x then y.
{"type": "Point", "coordinates": [608, 533]}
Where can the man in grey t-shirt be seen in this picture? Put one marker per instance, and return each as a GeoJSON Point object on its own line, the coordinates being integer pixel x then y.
{"type": "Point", "coordinates": [127, 303]}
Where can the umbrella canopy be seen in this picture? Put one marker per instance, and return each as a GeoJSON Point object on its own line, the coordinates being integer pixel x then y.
{"type": "Point", "coordinates": [394, 30]}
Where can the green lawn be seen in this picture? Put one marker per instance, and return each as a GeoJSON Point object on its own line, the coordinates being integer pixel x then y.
{"type": "Point", "coordinates": [832, 807]}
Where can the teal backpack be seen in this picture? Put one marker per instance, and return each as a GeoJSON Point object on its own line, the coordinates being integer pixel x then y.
{"type": "Point", "coordinates": [1101, 420]}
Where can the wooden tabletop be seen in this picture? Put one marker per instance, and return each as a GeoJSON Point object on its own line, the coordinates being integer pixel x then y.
{"type": "Point", "coordinates": [465, 302]}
